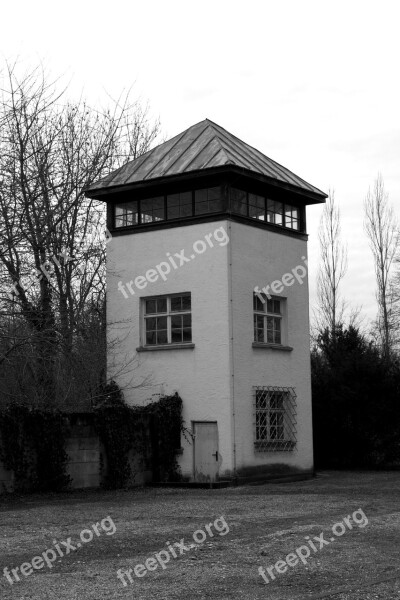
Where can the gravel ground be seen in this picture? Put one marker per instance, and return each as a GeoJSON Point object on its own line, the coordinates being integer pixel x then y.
{"type": "Point", "coordinates": [266, 523]}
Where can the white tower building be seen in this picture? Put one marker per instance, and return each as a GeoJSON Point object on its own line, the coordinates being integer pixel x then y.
{"type": "Point", "coordinates": [207, 294]}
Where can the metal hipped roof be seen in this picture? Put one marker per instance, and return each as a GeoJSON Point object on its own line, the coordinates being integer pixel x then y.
{"type": "Point", "coordinates": [203, 146]}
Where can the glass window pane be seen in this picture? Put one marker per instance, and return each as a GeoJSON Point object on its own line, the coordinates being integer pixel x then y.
{"type": "Point", "coordinates": [180, 303]}
{"type": "Point", "coordinates": [260, 321]}
{"type": "Point", "coordinates": [161, 305]}
{"type": "Point", "coordinates": [208, 200]}
{"type": "Point", "coordinates": [259, 335]}
{"type": "Point", "coordinates": [176, 321]}
{"type": "Point", "coordinates": [162, 337]}
{"type": "Point", "coordinates": [187, 320]}
{"type": "Point", "coordinates": [257, 207]}
{"type": "Point", "coordinates": [239, 201]}
{"type": "Point", "coordinates": [176, 303]}
{"type": "Point", "coordinates": [187, 335]}
{"type": "Point", "coordinates": [126, 214]}
{"type": "Point", "coordinates": [150, 307]}
{"type": "Point", "coordinates": [186, 302]}
{"type": "Point", "coordinates": [258, 328]}
{"type": "Point", "coordinates": [161, 322]}
{"type": "Point", "coordinates": [173, 200]}
{"type": "Point", "coordinates": [151, 323]}
{"type": "Point", "coordinates": [179, 205]}
{"type": "Point", "coordinates": [150, 337]}
{"type": "Point", "coordinates": [274, 212]}
{"type": "Point", "coordinates": [152, 209]}
{"type": "Point", "coordinates": [176, 335]}
{"type": "Point", "coordinates": [277, 307]}
{"type": "Point", "coordinates": [173, 212]}
{"type": "Point", "coordinates": [214, 193]}
{"type": "Point", "coordinates": [258, 304]}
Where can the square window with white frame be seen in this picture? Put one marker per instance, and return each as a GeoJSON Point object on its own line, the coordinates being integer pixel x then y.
{"type": "Point", "coordinates": [167, 320]}
{"type": "Point", "coordinates": [269, 319]}
{"type": "Point", "coordinates": [275, 419]}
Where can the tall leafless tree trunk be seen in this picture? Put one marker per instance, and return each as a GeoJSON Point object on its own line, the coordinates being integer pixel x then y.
{"type": "Point", "coordinates": [52, 243]}
{"type": "Point", "coordinates": [332, 269]}
{"type": "Point", "coordinates": [381, 228]}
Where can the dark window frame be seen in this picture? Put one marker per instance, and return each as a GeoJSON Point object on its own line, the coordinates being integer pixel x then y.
{"type": "Point", "coordinates": [285, 206]}
{"type": "Point", "coordinates": [166, 219]}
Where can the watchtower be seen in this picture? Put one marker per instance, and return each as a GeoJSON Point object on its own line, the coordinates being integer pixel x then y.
{"type": "Point", "coordinates": [207, 283]}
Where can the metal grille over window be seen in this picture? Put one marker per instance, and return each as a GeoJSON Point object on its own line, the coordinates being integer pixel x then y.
{"type": "Point", "coordinates": [274, 419]}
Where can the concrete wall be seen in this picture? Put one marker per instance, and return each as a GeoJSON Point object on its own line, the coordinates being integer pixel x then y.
{"type": "Point", "coordinates": [6, 480]}
{"type": "Point", "coordinates": [87, 464]}
{"type": "Point", "coordinates": [258, 258]}
{"type": "Point", "coordinates": [201, 375]}
{"type": "Point", "coordinates": [83, 449]}
{"type": "Point", "coordinates": [218, 372]}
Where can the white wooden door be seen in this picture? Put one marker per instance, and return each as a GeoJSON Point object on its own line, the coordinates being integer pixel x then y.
{"type": "Point", "coordinates": [206, 458]}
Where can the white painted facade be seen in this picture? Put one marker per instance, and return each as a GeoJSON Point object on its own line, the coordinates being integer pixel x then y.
{"type": "Point", "coordinates": [215, 379]}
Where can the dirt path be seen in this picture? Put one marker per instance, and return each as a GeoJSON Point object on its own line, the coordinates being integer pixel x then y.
{"type": "Point", "coordinates": [243, 529]}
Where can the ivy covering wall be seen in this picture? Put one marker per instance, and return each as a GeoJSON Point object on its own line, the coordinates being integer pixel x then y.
{"type": "Point", "coordinates": [124, 429]}
{"type": "Point", "coordinates": [33, 441]}
{"type": "Point", "coordinates": [32, 445]}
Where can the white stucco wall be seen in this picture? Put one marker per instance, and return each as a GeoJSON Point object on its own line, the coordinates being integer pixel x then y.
{"type": "Point", "coordinates": [201, 375]}
{"type": "Point", "coordinates": [222, 333]}
{"type": "Point", "coordinates": [258, 258]}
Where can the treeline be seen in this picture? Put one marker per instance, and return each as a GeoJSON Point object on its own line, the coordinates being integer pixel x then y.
{"type": "Point", "coordinates": [356, 369]}
{"type": "Point", "coordinates": [356, 402]}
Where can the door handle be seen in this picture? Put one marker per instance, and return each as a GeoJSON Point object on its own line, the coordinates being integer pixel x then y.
{"type": "Point", "coordinates": [216, 455]}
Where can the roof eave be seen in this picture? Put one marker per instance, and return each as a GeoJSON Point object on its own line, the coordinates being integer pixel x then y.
{"type": "Point", "coordinates": [101, 193]}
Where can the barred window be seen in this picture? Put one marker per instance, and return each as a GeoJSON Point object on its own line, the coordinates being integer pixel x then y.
{"type": "Point", "coordinates": [275, 419]}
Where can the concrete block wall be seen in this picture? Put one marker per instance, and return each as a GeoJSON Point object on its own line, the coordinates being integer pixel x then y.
{"type": "Point", "coordinates": [87, 463]}
{"type": "Point", "coordinates": [6, 480]}
{"type": "Point", "coordinates": [84, 460]}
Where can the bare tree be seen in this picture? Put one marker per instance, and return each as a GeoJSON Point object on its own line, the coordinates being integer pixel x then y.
{"type": "Point", "coordinates": [381, 228]}
{"type": "Point", "coordinates": [332, 269]}
{"type": "Point", "coordinates": [52, 242]}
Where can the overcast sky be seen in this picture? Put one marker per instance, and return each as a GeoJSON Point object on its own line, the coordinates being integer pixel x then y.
{"type": "Point", "coordinates": [313, 85]}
